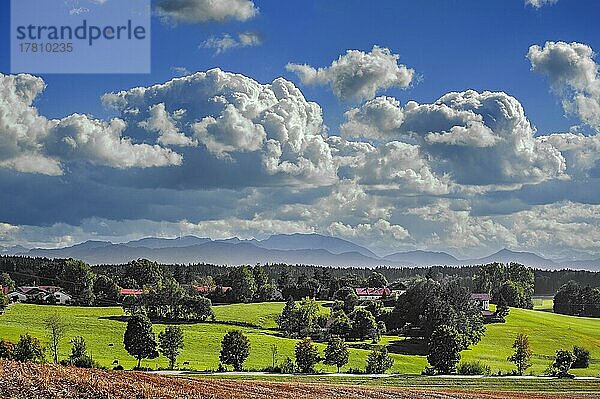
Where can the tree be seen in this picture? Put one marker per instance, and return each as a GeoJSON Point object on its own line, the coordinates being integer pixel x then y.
{"type": "Point", "coordinates": [105, 290]}
{"type": "Point", "coordinates": [377, 280]}
{"type": "Point", "coordinates": [522, 354]}
{"type": "Point", "coordinates": [264, 289]}
{"type": "Point", "coordinates": [582, 358]}
{"type": "Point", "coordinates": [242, 282]}
{"type": "Point", "coordinates": [348, 296]}
{"type": "Point", "coordinates": [29, 349]}
{"type": "Point", "coordinates": [139, 339]}
{"type": "Point", "coordinates": [274, 351]}
{"type": "Point", "coordinates": [7, 282]}
{"type": "Point", "coordinates": [562, 362]}
{"type": "Point", "coordinates": [7, 349]}
{"type": "Point", "coordinates": [379, 361]}
{"type": "Point", "coordinates": [235, 348]}
{"type": "Point", "coordinates": [170, 343]}
{"type": "Point", "coordinates": [3, 302]}
{"type": "Point", "coordinates": [55, 329]}
{"type": "Point", "coordinates": [287, 319]}
{"type": "Point", "coordinates": [79, 355]}
{"type": "Point", "coordinates": [363, 324]}
{"type": "Point", "coordinates": [336, 352]}
{"type": "Point", "coordinates": [444, 350]}
{"type": "Point", "coordinates": [307, 355]}
{"type": "Point", "coordinates": [306, 315]}
{"type": "Point", "coordinates": [141, 273]}
{"type": "Point", "coordinates": [340, 324]}
{"type": "Point", "coordinates": [77, 278]}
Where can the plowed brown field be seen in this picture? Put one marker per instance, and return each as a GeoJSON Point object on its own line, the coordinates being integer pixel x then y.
{"type": "Point", "coordinates": [32, 381]}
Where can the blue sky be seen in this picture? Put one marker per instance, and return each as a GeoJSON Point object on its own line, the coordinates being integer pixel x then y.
{"type": "Point", "coordinates": [219, 185]}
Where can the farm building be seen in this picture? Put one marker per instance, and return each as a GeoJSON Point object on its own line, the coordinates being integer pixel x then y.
{"type": "Point", "coordinates": [131, 291]}
{"type": "Point", "coordinates": [371, 294]}
{"type": "Point", "coordinates": [59, 298]}
{"type": "Point", "coordinates": [483, 299]}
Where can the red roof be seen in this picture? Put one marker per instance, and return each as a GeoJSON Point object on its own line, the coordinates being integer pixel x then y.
{"type": "Point", "coordinates": [131, 291]}
{"type": "Point", "coordinates": [372, 291]}
{"type": "Point", "coordinates": [4, 290]}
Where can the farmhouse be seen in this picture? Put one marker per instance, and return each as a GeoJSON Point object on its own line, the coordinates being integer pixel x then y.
{"type": "Point", "coordinates": [59, 298]}
{"type": "Point", "coordinates": [4, 290]}
{"type": "Point", "coordinates": [372, 294]}
{"type": "Point", "coordinates": [484, 302]}
{"type": "Point", "coordinates": [17, 296]}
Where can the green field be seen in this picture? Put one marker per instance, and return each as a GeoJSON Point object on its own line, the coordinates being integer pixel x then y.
{"type": "Point", "coordinates": [103, 330]}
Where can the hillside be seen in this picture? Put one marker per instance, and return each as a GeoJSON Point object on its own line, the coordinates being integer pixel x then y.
{"type": "Point", "coordinates": [548, 332]}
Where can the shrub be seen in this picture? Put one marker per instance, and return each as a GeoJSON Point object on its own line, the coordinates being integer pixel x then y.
{"type": "Point", "coordinates": [29, 349]}
{"type": "Point", "coordinates": [287, 366]}
{"type": "Point", "coordinates": [7, 349]}
{"type": "Point", "coordinates": [582, 358]}
{"type": "Point", "coordinates": [379, 361]}
{"type": "Point", "coordinates": [473, 368]}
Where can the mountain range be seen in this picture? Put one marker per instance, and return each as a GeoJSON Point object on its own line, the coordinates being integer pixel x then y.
{"type": "Point", "coordinates": [312, 249]}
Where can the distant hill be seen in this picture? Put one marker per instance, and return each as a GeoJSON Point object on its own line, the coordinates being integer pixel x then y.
{"type": "Point", "coordinates": [424, 258]}
{"type": "Point", "coordinates": [526, 258]}
{"type": "Point", "coordinates": [311, 249]}
{"type": "Point", "coordinates": [313, 241]}
{"type": "Point", "coordinates": [179, 242]}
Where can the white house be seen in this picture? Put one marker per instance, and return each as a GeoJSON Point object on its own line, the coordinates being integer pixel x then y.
{"type": "Point", "coordinates": [16, 296]}
{"type": "Point", "coordinates": [59, 297]}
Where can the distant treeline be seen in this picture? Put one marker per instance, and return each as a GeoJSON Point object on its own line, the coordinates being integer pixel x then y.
{"type": "Point", "coordinates": [78, 277]}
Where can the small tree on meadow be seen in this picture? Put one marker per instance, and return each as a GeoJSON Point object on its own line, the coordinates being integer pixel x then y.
{"type": "Point", "coordinates": [522, 354]}
{"type": "Point", "coordinates": [29, 349]}
{"type": "Point", "coordinates": [287, 319]}
{"type": "Point", "coordinates": [563, 362]}
{"type": "Point", "coordinates": [582, 358]}
{"type": "Point", "coordinates": [235, 349]}
{"type": "Point", "coordinates": [307, 355]}
{"type": "Point", "coordinates": [170, 343]}
{"type": "Point", "coordinates": [444, 349]}
{"type": "Point", "coordinates": [55, 329]}
{"type": "Point", "coordinates": [379, 361]}
{"type": "Point", "coordinates": [139, 339]}
{"type": "Point", "coordinates": [336, 353]}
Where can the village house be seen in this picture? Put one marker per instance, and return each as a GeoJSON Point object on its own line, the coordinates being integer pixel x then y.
{"type": "Point", "coordinates": [34, 293]}
{"type": "Point", "coordinates": [372, 294]}
{"type": "Point", "coordinates": [16, 296]}
{"type": "Point", "coordinates": [484, 302]}
{"type": "Point", "coordinates": [59, 298]}
{"type": "Point", "coordinates": [209, 289]}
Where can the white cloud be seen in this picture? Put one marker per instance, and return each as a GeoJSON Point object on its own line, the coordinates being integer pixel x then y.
{"type": "Point", "coordinates": [477, 139]}
{"type": "Point", "coordinates": [226, 42]}
{"type": "Point", "coordinates": [165, 124]}
{"type": "Point", "coordinates": [231, 114]}
{"type": "Point", "coordinates": [197, 11]}
{"type": "Point", "coordinates": [180, 71]}
{"type": "Point", "coordinates": [573, 74]}
{"type": "Point", "coordinates": [540, 3]}
{"type": "Point", "coordinates": [357, 75]}
{"type": "Point", "coordinates": [380, 230]}
{"type": "Point", "coordinates": [31, 143]}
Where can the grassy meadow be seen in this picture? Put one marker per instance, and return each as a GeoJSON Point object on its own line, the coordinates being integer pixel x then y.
{"type": "Point", "coordinates": [103, 330]}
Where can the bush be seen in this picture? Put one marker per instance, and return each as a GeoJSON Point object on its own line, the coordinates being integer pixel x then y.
{"type": "Point", "coordinates": [379, 361]}
{"type": "Point", "coordinates": [29, 349]}
{"type": "Point", "coordinates": [582, 358]}
{"type": "Point", "coordinates": [7, 349]}
{"type": "Point", "coordinates": [287, 366]}
{"type": "Point", "coordinates": [118, 368]}
{"type": "Point", "coordinates": [473, 368]}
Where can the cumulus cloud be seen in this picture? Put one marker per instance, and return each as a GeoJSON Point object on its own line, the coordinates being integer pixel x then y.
{"type": "Point", "coordinates": [162, 122]}
{"type": "Point", "coordinates": [381, 229]}
{"type": "Point", "coordinates": [198, 11]}
{"type": "Point", "coordinates": [231, 114]}
{"type": "Point", "coordinates": [357, 75]}
{"type": "Point", "coordinates": [540, 3]}
{"type": "Point", "coordinates": [226, 42]}
{"type": "Point", "coordinates": [32, 143]}
{"type": "Point", "coordinates": [573, 74]}
{"type": "Point", "coordinates": [479, 139]}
